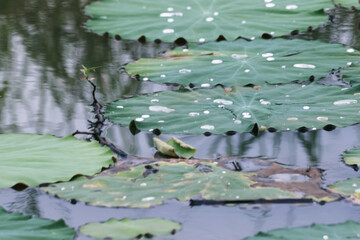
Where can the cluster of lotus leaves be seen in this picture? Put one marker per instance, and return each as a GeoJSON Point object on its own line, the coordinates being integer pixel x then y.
{"type": "Point", "coordinates": [201, 20]}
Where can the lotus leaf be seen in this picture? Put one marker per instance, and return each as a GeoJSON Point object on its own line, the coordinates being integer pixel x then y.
{"type": "Point", "coordinates": [285, 107]}
{"type": "Point", "coordinates": [182, 181]}
{"type": "Point", "coordinates": [242, 62]}
{"type": "Point", "coordinates": [348, 188]}
{"type": "Point", "coordinates": [352, 157]}
{"type": "Point", "coordinates": [347, 230]}
{"type": "Point", "coordinates": [203, 20]}
{"type": "Point", "coordinates": [129, 229]}
{"type": "Point", "coordinates": [175, 148]}
{"type": "Point", "coordinates": [33, 159]}
{"type": "Point", "coordinates": [15, 226]}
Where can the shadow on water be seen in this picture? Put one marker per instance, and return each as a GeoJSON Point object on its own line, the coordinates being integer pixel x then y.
{"type": "Point", "coordinates": [42, 47]}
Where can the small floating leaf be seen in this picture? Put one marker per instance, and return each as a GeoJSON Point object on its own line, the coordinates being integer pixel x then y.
{"type": "Point", "coordinates": [34, 159]}
{"type": "Point", "coordinates": [349, 188]}
{"type": "Point", "coordinates": [346, 230]}
{"type": "Point", "coordinates": [241, 62]}
{"type": "Point", "coordinates": [15, 226]}
{"type": "Point", "coordinates": [201, 20]}
{"type": "Point", "coordinates": [129, 229]}
{"type": "Point", "coordinates": [175, 148]}
{"type": "Point", "coordinates": [285, 107]}
{"type": "Point", "coordinates": [186, 180]}
{"type": "Point", "coordinates": [352, 157]}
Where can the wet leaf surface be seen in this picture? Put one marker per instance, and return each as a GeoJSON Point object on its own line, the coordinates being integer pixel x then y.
{"type": "Point", "coordinates": [32, 159]}
{"type": "Point", "coordinates": [199, 21]}
{"type": "Point", "coordinates": [216, 110]}
{"type": "Point", "coordinates": [17, 226]}
{"type": "Point", "coordinates": [185, 180]}
{"type": "Point", "coordinates": [144, 228]}
{"type": "Point", "coordinates": [346, 230]}
{"type": "Point", "coordinates": [240, 63]}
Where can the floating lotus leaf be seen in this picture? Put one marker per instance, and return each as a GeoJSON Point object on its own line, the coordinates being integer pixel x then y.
{"type": "Point", "coordinates": [33, 159]}
{"type": "Point", "coordinates": [175, 148]}
{"type": "Point", "coordinates": [203, 20]}
{"type": "Point", "coordinates": [145, 186]}
{"type": "Point", "coordinates": [285, 107]}
{"type": "Point", "coordinates": [347, 230]}
{"type": "Point", "coordinates": [129, 229]}
{"type": "Point", "coordinates": [242, 62]}
{"type": "Point", "coordinates": [15, 226]}
{"type": "Point", "coordinates": [349, 188]}
{"type": "Point", "coordinates": [352, 157]}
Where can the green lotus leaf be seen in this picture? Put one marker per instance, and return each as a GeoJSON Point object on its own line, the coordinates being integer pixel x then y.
{"type": "Point", "coordinates": [34, 159]}
{"type": "Point", "coordinates": [17, 226]}
{"type": "Point", "coordinates": [129, 229]}
{"type": "Point", "coordinates": [347, 230]}
{"type": "Point", "coordinates": [203, 20]}
{"type": "Point", "coordinates": [285, 107]}
{"type": "Point", "coordinates": [242, 62]}
{"type": "Point", "coordinates": [349, 188]}
{"type": "Point", "coordinates": [175, 148]}
{"type": "Point", "coordinates": [140, 188]}
{"type": "Point", "coordinates": [352, 157]}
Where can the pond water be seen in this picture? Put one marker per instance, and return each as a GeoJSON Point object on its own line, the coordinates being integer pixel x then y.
{"type": "Point", "coordinates": [42, 47]}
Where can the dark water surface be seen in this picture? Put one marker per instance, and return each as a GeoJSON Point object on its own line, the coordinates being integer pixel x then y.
{"type": "Point", "coordinates": [42, 47]}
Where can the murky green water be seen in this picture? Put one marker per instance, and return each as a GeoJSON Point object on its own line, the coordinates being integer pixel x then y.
{"type": "Point", "coordinates": [42, 47]}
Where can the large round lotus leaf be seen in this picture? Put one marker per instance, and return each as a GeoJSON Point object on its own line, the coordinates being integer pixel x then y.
{"type": "Point", "coordinates": [348, 188]}
{"type": "Point", "coordinates": [242, 62]}
{"type": "Point", "coordinates": [14, 226]}
{"type": "Point", "coordinates": [129, 229]}
{"type": "Point", "coordinates": [33, 159]}
{"type": "Point", "coordinates": [203, 20]}
{"type": "Point", "coordinates": [285, 107]}
{"type": "Point", "coordinates": [141, 187]}
{"type": "Point", "coordinates": [352, 157]}
{"type": "Point", "coordinates": [348, 230]}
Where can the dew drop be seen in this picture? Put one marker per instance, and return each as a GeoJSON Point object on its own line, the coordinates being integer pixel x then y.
{"type": "Point", "coordinates": [201, 40]}
{"type": "Point", "coordinates": [162, 75]}
{"type": "Point", "coordinates": [238, 56]}
{"type": "Point", "coordinates": [267, 1]}
{"type": "Point", "coordinates": [270, 59]}
{"type": "Point", "coordinates": [211, 79]}
{"type": "Point", "coordinates": [356, 94]}
{"type": "Point", "coordinates": [185, 50]}
{"type": "Point", "coordinates": [206, 112]}
{"type": "Point", "coordinates": [205, 85]}
{"type": "Point", "coordinates": [143, 184]}
{"type": "Point", "coordinates": [348, 64]}
{"type": "Point", "coordinates": [170, 9]}
{"type": "Point", "coordinates": [145, 116]}
{"type": "Point", "coordinates": [216, 61]}
{"type": "Point", "coordinates": [171, 14]}
{"type": "Point", "coordinates": [119, 106]}
{"type": "Point", "coordinates": [270, 5]}
{"type": "Point", "coordinates": [147, 199]}
{"type": "Point", "coordinates": [246, 115]}
{"type": "Point", "coordinates": [247, 70]}
{"type": "Point", "coordinates": [272, 33]}
{"type": "Point", "coordinates": [350, 50]}
{"type": "Point", "coordinates": [139, 119]}
{"type": "Point", "coordinates": [306, 107]}
{"type": "Point", "coordinates": [146, 79]}
{"type": "Point", "coordinates": [161, 121]}
{"type": "Point", "coordinates": [223, 101]}
{"type": "Point", "coordinates": [291, 7]}
{"type": "Point", "coordinates": [194, 114]}
{"type": "Point", "coordinates": [283, 66]}
{"type": "Point", "coordinates": [252, 38]}
{"type": "Point", "coordinates": [345, 102]}
{"type": "Point", "coordinates": [170, 20]}
{"type": "Point", "coordinates": [322, 119]}
{"type": "Point", "coordinates": [237, 121]}
{"type": "Point", "coordinates": [303, 65]}
{"type": "Point", "coordinates": [292, 119]}
{"type": "Point", "coordinates": [263, 102]}
{"type": "Point", "coordinates": [243, 21]}
{"type": "Point", "coordinates": [208, 98]}
{"type": "Point", "coordinates": [216, 13]}
{"type": "Point", "coordinates": [354, 185]}
{"type": "Point", "coordinates": [188, 8]}
{"type": "Point", "coordinates": [161, 109]}
{"type": "Point", "coordinates": [185, 70]}
{"type": "Point", "coordinates": [208, 127]}
{"type": "Point", "coordinates": [267, 55]}
{"type": "Point", "coordinates": [154, 100]}
{"type": "Point", "coordinates": [168, 30]}
{"type": "Point", "coordinates": [209, 19]}
{"type": "Point", "coordinates": [325, 237]}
